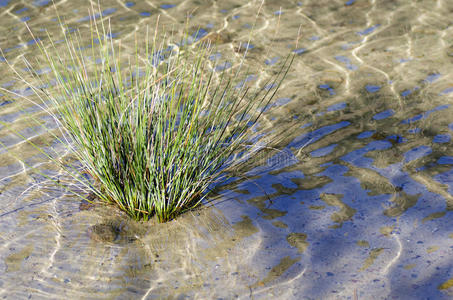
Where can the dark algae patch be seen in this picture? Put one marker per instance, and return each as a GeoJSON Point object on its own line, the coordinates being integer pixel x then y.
{"type": "Point", "coordinates": [14, 261]}
{"type": "Point", "coordinates": [346, 212]}
{"type": "Point", "coordinates": [401, 203]}
{"type": "Point", "coordinates": [433, 216]}
{"type": "Point", "coordinates": [363, 243]}
{"type": "Point", "coordinates": [277, 271]}
{"type": "Point", "coordinates": [103, 232]}
{"type": "Point", "coordinates": [446, 285]}
{"type": "Point", "coordinates": [298, 240]}
{"type": "Point", "coordinates": [374, 253]}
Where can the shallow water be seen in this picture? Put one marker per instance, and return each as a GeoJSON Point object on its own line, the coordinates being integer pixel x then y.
{"type": "Point", "coordinates": [356, 204]}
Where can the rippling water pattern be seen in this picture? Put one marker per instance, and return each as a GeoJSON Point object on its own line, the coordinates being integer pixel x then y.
{"type": "Point", "coordinates": [353, 201]}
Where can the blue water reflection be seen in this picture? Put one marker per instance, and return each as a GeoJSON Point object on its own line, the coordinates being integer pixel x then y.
{"type": "Point", "coordinates": [323, 151]}
{"type": "Point", "coordinates": [368, 30]}
{"type": "Point", "coordinates": [425, 114]}
{"type": "Point", "coordinates": [311, 137]}
{"type": "Point", "coordinates": [384, 115]}
{"type": "Point", "coordinates": [347, 62]}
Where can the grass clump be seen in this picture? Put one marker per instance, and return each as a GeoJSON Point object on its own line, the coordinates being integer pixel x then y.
{"type": "Point", "coordinates": [156, 132]}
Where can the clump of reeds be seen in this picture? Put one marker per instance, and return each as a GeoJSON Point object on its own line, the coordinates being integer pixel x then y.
{"type": "Point", "coordinates": [154, 133]}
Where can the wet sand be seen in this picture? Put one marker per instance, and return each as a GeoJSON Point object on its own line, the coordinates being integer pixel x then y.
{"type": "Point", "coordinates": [353, 201]}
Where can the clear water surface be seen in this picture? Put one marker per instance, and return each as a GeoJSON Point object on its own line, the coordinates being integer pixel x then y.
{"type": "Point", "coordinates": [355, 204]}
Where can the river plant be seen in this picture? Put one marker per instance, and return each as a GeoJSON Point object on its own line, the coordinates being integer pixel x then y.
{"type": "Point", "coordinates": [154, 132]}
